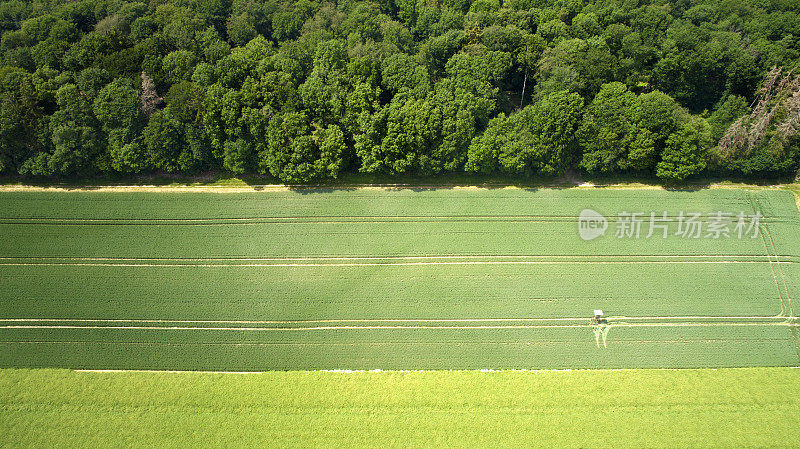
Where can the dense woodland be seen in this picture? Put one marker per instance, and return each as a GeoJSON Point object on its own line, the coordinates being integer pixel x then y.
{"type": "Point", "coordinates": [307, 90]}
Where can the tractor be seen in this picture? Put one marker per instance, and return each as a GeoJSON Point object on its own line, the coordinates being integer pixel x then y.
{"type": "Point", "coordinates": [598, 318]}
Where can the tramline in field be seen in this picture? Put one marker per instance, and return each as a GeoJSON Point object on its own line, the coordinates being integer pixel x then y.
{"type": "Point", "coordinates": [397, 279]}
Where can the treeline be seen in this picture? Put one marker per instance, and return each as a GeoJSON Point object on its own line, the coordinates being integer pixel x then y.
{"type": "Point", "coordinates": [306, 90]}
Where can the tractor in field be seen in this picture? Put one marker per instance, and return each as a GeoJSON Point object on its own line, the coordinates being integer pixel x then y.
{"type": "Point", "coordinates": [598, 318]}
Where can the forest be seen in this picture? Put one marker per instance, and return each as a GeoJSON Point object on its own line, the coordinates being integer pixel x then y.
{"type": "Point", "coordinates": [306, 91]}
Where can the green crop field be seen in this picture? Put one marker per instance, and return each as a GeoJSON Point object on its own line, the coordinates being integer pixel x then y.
{"type": "Point", "coordinates": [394, 279]}
{"type": "Point", "coordinates": [750, 407]}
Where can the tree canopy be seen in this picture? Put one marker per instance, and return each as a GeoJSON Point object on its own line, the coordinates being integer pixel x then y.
{"type": "Point", "coordinates": [305, 90]}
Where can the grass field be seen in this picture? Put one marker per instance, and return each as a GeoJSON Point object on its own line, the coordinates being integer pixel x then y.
{"type": "Point", "coordinates": [752, 407]}
{"type": "Point", "coordinates": [390, 279]}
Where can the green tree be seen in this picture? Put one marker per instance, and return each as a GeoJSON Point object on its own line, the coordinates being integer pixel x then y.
{"type": "Point", "coordinates": [683, 156]}
{"type": "Point", "coordinates": [325, 91]}
{"type": "Point", "coordinates": [401, 71]}
{"type": "Point", "coordinates": [91, 80]}
{"type": "Point", "coordinates": [605, 133]}
{"type": "Point", "coordinates": [577, 65]}
{"type": "Point", "coordinates": [238, 155]}
{"type": "Point", "coordinates": [118, 109]}
{"type": "Point", "coordinates": [731, 109]}
{"type": "Point", "coordinates": [539, 139]}
{"type": "Point", "coordinates": [21, 119]}
{"type": "Point", "coordinates": [178, 65]}
{"type": "Point", "coordinates": [623, 132]}
{"type": "Point", "coordinates": [241, 29]}
{"type": "Point", "coordinates": [76, 138]}
{"type": "Point", "coordinates": [163, 140]}
{"type": "Point", "coordinates": [656, 117]}
{"type": "Point", "coordinates": [299, 151]}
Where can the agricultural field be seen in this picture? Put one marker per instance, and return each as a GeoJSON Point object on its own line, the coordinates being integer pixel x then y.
{"type": "Point", "coordinates": [749, 407]}
{"type": "Point", "coordinates": [396, 279]}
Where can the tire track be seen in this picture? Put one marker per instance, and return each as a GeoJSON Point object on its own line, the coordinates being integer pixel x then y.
{"type": "Point", "coordinates": [783, 276]}
{"type": "Point", "coordinates": [409, 257]}
{"type": "Point", "coordinates": [397, 327]}
{"type": "Point", "coordinates": [764, 234]}
{"type": "Point", "coordinates": [382, 320]}
{"type": "Point", "coordinates": [395, 264]}
{"type": "Point", "coordinates": [333, 219]}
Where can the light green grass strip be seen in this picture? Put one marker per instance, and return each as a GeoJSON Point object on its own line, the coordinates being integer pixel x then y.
{"type": "Point", "coordinates": [755, 407]}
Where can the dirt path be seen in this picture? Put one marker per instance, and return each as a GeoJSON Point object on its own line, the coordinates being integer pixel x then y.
{"type": "Point", "coordinates": [572, 183]}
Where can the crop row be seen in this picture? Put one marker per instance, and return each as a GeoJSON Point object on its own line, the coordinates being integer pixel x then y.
{"type": "Point", "coordinates": [420, 291]}
{"type": "Point", "coordinates": [365, 239]}
{"type": "Point", "coordinates": [361, 203]}
{"type": "Point", "coordinates": [398, 349]}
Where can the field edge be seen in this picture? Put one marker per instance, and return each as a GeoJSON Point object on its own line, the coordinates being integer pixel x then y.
{"type": "Point", "coordinates": [571, 408]}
